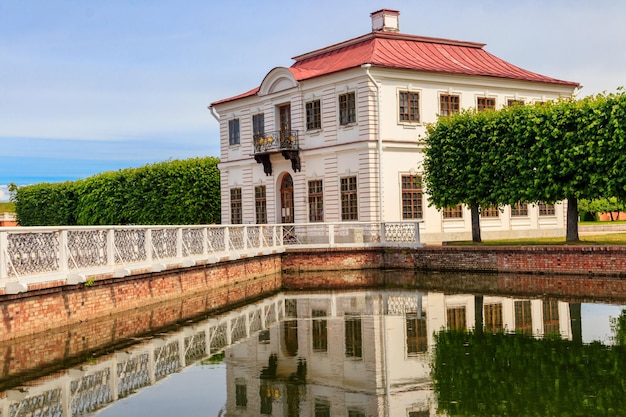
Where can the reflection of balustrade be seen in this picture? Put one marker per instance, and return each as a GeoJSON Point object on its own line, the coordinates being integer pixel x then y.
{"type": "Point", "coordinates": [96, 385]}
{"type": "Point", "coordinates": [44, 254]}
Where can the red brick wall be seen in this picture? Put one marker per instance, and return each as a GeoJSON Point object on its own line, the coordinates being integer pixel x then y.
{"type": "Point", "coordinates": [36, 311]}
{"type": "Point", "coordinates": [557, 260]}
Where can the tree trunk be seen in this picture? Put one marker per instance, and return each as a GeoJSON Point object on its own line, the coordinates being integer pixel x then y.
{"type": "Point", "coordinates": [572, 220]}
{"type": "Point", "coordinates": [475, 222]}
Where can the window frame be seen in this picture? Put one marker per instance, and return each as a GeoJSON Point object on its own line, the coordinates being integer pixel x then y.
{"type": "Point", "coordinates": [313, 111]}
{"type": "Point", "coordinates": [234, 132]}
{"type": "Point", "coordinates": [448, 111]}
{"type": "Point", "coordinates": [412, 198]}
{"type": "Point", "coordinates": [349, 198]}
{"type": "Point", "coordinates": [411, 105]}
{"type": "Point", "coordinates": [455, 212]}
{"type": "Point", "coordinates": [258, 124]}
{"type": "Point", "coordinates": [260, 204]}
{"type": "Point", "coordinates": [545, 209]}
{"type": "Point", "coordinates": [347, 108]}
{"type": "Point", "coordinates": [236, 206]}
{"type": "Point", "coordinates": [519, 209]}
{"type": "Point", "coordinates": [316, 200]}
{"type": "Point", "coordinates": [490, 212]}
{"type": "Point", "coordinates": [484, 105]}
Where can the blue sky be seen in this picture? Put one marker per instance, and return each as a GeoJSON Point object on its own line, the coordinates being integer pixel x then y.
{"type": "Point", "coordinates": [88, 87]}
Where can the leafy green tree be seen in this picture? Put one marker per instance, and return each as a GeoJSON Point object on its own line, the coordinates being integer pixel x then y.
{"type": "Point", "coordinates": [602, 205]}
{"type": "Point", "coordinates": [561, 150]}
{"type": "Point", "coordinates": [458, 163]}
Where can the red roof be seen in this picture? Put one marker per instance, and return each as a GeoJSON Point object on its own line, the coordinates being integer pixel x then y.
{"type": "Point", "coordinates": [417, 53]}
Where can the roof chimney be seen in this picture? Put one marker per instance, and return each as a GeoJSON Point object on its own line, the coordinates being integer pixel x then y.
{"type": "Point", "coordinates": [386, 20]}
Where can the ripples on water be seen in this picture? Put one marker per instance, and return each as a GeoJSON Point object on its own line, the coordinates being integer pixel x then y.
{"type": "Point", "coordinates": [425, 349]}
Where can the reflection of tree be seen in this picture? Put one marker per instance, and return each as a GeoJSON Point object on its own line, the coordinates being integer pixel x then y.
{"type": "Point", "coordinates": [618, 325]}
{"type": "Point", "coordinates": [515, 375]}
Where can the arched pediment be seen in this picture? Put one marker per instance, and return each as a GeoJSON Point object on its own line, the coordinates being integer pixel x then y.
{"type": "Point", "coordinates": [278, 79]}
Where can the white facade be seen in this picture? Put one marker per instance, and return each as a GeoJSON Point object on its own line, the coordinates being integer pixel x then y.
{"type": "Point", "coordinates": [376, 149]}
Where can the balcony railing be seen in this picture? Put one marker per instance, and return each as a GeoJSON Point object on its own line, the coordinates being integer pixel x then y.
{"type": "Point", "coordinates": [276, 141]}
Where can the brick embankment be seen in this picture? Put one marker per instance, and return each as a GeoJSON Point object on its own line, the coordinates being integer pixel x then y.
{"type": "Point", "coordinates": [224, 284]}
{"type": "Point", "coordinates": [554, 260]}
{"type": "Point", "coordinates": [37, 311]}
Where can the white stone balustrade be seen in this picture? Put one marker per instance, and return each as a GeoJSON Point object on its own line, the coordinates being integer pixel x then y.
{"type": "Point", "coordinates": [35, 255]}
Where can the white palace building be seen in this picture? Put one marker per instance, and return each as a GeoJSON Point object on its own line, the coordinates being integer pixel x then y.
{"type": "Point", "coordinates": [338, 136]}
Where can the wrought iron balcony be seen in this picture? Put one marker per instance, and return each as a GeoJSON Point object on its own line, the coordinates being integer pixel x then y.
{"type": "Point", "coordinates": [284, 141]}
{"type": "Point", "coordinates": [276, 141]}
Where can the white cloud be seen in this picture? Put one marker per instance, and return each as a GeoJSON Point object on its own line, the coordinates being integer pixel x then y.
{"type": "Point", "coordinates": [4, 193]}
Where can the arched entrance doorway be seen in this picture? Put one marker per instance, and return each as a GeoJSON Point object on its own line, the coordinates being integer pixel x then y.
{"type": "Point", "coordinates": [286, 199]}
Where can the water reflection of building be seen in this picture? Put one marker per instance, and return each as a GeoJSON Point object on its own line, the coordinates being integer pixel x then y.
{"type": "Point", "coordinates": [366, 353]}
{"type": "Point", "coordinates": [361, 353]}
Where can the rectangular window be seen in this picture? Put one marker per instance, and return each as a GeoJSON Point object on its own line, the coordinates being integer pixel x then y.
{"type": "Point", "coordinates": [519, 209]}
{"type": "Point", "coordinates": [349, 202]}
{"type": "Point", "coordinates": [493, 321]}
{"type": "Point", "coordinates": [347, 109]}
{"type": "Point", "coordinates": [260, 204]}
{"type": "Point", "coordinates": [523, 318]}
{"type": "Point", "coordinates": [354, 340]}
{"type": "Point", "coordinates": [448, 104]}
{"type": "Point", "coordinates": [453, 212]}
{"type": "Point", "coordinates": [322, 408]}
{"type": "Point", "coordinates": [416, 334]}
{"type": "Point", "coordinates": [233, 132]}
{"type": "Point", "coordinates": [316, 201]}
{"type": "Point", "coordinates": [551, 317]}
{"type": "Point", "coordinates": [546, 209]}
{"type": "Point", "coordinates": [313, 115]}
{"type": "Point", "coordinates": [241, 395]}
{"type": "Point", "coordinates": [258, 124]}
{"type": "Point", "coordinates": [235, 206]}
{"type": "Point", "coordinates": [409, 107]}
{"type": "Point", "coordinates": [512, 102]}
{"type": "Point", "coordinates": [412, 201]}
{"type": "Point", "coordinates": [490, 211]}
{"type": "Point", "coordinates": [486, 103]}
{"type": "Point", "coordinates": [320, 331]}
{"type": "Point", "coordinates": [456, 318]}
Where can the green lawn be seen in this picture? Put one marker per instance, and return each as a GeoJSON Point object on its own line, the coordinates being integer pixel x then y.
{"type": "Point", "coordinates": [7, 207]}
{"type": "Point", "coordinates": [613, 238]}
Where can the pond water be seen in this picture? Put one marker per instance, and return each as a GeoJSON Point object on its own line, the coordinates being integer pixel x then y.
{"type": "Point", "coordinates": [417, 350]}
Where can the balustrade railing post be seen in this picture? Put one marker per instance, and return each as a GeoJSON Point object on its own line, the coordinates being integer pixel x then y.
{"type": "Point", "coordinates": [417, 232]}
{"type": "Point", "coordinates": [226, 239]}
{"type": "Point", "coordinates": [111, 247]}
{"type": "Point", "coordinates": [179, 243]}
{"type": "Point", "coordinates": [205, 240]}
{"type": "Point", "coordinates": [245, 237]}
{"type": "Point", "coordinates": [63, 252]}
{"type": "Point", "coordinates": [331, 234]}
{"type": "Point", "coordinates": [4, 244]}
{"type": "Point", "coordinates": [149, 245]}
{"type": "Point", "coordinates": [383, 239]}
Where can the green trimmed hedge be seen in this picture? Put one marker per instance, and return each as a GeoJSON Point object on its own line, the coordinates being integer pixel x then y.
{"type": "Point", "coordinates": [171, 192]}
